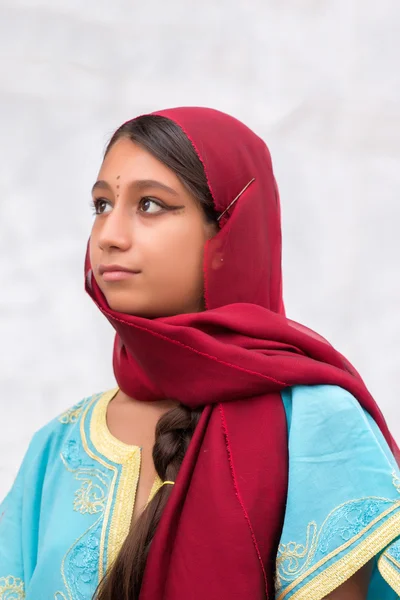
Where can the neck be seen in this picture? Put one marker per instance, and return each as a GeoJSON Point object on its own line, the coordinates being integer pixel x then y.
{"type": "Point", "coordinates": [156, 406]}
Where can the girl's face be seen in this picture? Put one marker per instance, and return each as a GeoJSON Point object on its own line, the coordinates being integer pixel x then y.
{"type": "Point", "coordinates": [147, 241]}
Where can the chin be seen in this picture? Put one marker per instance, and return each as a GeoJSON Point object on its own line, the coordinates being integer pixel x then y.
{"type": "Point", "coordinates": [142, 306]}
{"type": "Point", "coordinates": [127, 307]}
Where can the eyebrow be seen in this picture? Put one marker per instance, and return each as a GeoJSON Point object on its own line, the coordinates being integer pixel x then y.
{"type": "Point", "coordinates": [139, 185]}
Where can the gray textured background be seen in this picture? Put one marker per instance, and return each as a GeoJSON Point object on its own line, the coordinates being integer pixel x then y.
{"type": "Point", "coordinates": [318, 79]}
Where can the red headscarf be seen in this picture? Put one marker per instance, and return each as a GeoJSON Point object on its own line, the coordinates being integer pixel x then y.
{"type": "Point", "coordinates": [218, 536]}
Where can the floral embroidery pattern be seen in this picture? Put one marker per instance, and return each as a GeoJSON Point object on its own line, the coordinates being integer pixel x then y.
{"type": "Point", "coordinates": [72, 414]}
{"type": "Point", "coordinates": [342, 524]}
{"type": "Point", "coordinates": [11, 588]}
{"type": "Point", "coordinates": [71, 455]}
{"type": "Point", "coordinates": [91, 496]}
{"type": "Point", "coordinates": [82, 564]}
{"type": "Point", "coordinates": [347, 521]}
{"type": "Point", "coordinates": [396, 481]}
{"type": "Point", "coordinates": [291, 556]}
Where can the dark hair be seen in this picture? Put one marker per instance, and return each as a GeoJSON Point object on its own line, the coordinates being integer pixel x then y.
{"type": "Point", "coordinates": [174, 431]}
{"type": "Point", "coordinates": [167, 142]}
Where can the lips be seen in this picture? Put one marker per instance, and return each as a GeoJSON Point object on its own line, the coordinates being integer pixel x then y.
{"type": "Point", "coordinates": [116, 269]}
{"type": "Point", "coordinates": [116, 273]}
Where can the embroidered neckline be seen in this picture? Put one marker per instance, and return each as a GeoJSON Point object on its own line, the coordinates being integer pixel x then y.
{"type": "Point", "coordinates": [128, 456]}
{"type": "Point", "coordinates": [108, 445]}
{"type": "Point", "coordinates": [102, 438]}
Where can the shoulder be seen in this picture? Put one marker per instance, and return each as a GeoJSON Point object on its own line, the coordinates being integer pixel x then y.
{"type": "Point", "coordinates": [343, 494]}
{"type": "Point", "coordinates": [47, 445]}
{"type": "Point", "coordinates": [326, 420]}
{"type": "Point", "coordinates": [49, 440]}
{"type": "Point", "coordinates": [320, 404]}
{"type": "Point", "coordinates": [328, 397]}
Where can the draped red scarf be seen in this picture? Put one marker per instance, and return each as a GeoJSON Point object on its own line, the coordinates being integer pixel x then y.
{"type": "Point", "coordinates": [218, 536]}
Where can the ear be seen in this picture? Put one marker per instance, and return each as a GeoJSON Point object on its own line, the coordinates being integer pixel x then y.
{"type": "Point", "coordinates": [217, 261]}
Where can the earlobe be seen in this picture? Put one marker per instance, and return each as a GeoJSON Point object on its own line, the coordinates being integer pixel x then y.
{"type": "Point", "coordinates": [217, 258]}
{"type": "Point", "coordinates": [217, 261]}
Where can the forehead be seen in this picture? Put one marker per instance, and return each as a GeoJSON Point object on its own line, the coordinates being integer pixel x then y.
{"type": "Point", "coordinates": [127, 162]}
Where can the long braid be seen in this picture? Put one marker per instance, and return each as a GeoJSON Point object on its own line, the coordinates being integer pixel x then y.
{"type": "Point", "coordinates": [174, 431]}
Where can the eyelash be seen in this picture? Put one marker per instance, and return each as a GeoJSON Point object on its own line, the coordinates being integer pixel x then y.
{"type": "Point", "coordinates": [94, 205]}
{"type": "Point", "coordinates": [95, 202]}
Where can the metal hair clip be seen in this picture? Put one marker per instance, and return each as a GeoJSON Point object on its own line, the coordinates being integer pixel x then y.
{"type": "Point", "coordinates": [236, 199]}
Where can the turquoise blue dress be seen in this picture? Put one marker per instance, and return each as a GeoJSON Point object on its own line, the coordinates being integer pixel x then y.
{"type": "Point", "coordinates": [68, 512]}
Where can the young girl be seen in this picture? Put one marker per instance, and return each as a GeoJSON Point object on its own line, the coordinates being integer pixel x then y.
{"type": "Point", "coordinates": [240, 457]}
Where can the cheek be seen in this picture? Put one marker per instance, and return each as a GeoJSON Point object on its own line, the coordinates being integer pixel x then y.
{"type": "Point", "coordinates": [94, 256]}
{"type": "Point", "coordinates": [185, 245]}
{"type": "Point", "coordinates": [92, 251]}
{"type": "Point", "coordinates": [95, 235]}
{"type": "Point", "coordinates": [177, 256]}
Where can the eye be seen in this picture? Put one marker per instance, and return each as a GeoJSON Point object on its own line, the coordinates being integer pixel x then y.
{"type": "Point", "coordinates": [100, 205]}
{"type": "Point", "coordinates": [150, 206]}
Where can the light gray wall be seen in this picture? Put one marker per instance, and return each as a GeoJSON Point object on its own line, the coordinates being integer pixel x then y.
{"type": "Point", "coordinates": [318, 79]}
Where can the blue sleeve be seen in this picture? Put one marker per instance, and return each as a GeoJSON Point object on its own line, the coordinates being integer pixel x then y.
{"type": "Point", "coordinates": [20, 515]}
{"type": "Point", "coordinates": [11, 564]}
{"type": "Point", "coordinates": [12, 514]}
{"type": "Point", "coordinates": [343, 505]}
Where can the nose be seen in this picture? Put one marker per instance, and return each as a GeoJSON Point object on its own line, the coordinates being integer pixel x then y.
{"type": "Point", "coordinates": [116, 231]}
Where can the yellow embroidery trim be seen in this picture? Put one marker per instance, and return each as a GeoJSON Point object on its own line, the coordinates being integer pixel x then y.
{"type": "Point", "coordinates": [129, 457]}
{"type": "Point", "coordinates": [332, 577]}
{"type": "Point", "coordinates": [390, 573]}
{"type": "Point", "coordinates": [59, 594]}
{"type": "Point", "coordinates": [71, 415]}
{"type": "Point", "coordinates": [294, 551]}
{"type": "Point", "coordinates": [11, 587]}
{"type": "Point", "coordinates": [114, 470]}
